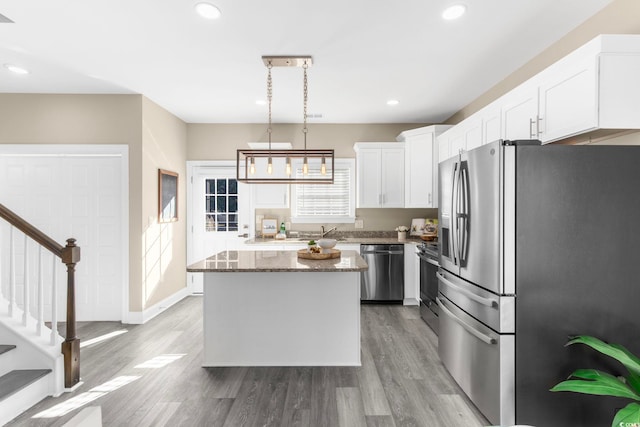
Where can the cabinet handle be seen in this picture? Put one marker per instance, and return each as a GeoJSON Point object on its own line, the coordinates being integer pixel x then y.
{"type": "Point", "coordinates": [538, 130]}
{"type": "Point", "coordinates": [531, 134]}
{"type": "Point", "coordinates": [429, 198]}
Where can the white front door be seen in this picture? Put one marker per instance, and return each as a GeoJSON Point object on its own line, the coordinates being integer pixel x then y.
{"type": "Point", "coordinates": [219, 210]}
{"type": "Point", "coordinates": [72, 196]}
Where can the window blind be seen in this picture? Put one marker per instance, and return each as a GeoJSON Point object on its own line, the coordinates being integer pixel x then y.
{"type": "Point", "coordinates": [324, 199]}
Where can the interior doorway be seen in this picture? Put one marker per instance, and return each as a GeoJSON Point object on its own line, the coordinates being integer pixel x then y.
{"type": "Point", "coordinates": [219, 213]}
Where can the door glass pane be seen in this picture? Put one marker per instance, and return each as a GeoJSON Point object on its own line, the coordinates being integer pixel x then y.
{"type": "Point", "coordinates": [222, 186]}
{"type": "Point", "coordinates": [222, 204]}
{"type": "Point", "coordinates": [210, 205]}
{"type": "Point", "coordinates": [233, 186]}
{"type": "Point", "coordinates": [233, 203]}
{"type": "Point", "coordinates": [210, 187]}
{"type": "Point", "coordinates": [210, 223]}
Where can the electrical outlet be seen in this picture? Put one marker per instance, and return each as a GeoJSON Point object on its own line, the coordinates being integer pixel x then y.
{"type": "Point", "coordinates": [359, 223]}
{"type": "Point", "coordinates": [287, 225]}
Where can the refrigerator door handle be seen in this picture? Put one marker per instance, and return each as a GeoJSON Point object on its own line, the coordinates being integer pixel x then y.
{"type": "Point", "coordinates": [465, 202]}
{"type": "Point", "coordinates": [489, 302]}
{"type": "Point", "coordinates": [454, 214]}
{"type": "Point", "coordinates": [485, 338]}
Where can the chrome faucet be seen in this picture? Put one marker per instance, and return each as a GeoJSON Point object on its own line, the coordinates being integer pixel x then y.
{"type": "Point", "coordinates": [324, 233]}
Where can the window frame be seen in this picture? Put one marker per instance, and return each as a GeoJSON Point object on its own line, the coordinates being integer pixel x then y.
{"type": "Point", "coordinates": [333, 219]}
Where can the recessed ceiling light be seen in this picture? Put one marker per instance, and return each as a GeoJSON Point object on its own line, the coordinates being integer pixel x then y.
{"type": "Point", "coordinates": [16, 69]}
{"type": "Point", "coordinates": [454, 12]}
{"type": "Point", "coordinates": [393, 102]}
{"type": "Point", "coordinates": [208, 11]}
{"type": "Point", "coordinates": [261, 102]}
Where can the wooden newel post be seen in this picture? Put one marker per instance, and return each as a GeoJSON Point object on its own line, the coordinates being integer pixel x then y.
{"type": "Point", "coordinates": [71, 345]}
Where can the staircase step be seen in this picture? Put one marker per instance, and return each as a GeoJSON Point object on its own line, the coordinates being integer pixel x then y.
{"type": "Point", "coordinates": [4, 348]}
{"type": "Point", "coordinates": [18, 379]}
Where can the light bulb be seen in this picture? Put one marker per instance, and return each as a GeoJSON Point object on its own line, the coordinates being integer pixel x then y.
{"type": "Point", "coordinates": [305, 167]}
{"type": "Point", "coordinates": [269, 167]}
{"type": "Point", "coordinates": [252, 167]}
{"type": "Point", "coordinates": [323, 167]}
{"type": "Point", "coordinates": [288, 166]}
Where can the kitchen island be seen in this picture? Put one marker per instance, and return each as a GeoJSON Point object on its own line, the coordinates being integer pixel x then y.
{"type": "Point", "coordinates": [270, 308]}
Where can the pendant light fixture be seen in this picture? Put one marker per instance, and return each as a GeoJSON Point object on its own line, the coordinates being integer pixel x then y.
{"type": "Point", "coordinates": [286, 166]}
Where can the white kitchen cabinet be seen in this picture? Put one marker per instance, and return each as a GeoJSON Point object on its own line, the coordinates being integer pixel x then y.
{"type": "Point", "coordinates": [465, 136]}
{"type": "Point", "coordinates": [519, 111]}
{"type": "Point", "coordinates": [271, 196]}
{"type": "Point", "coordinates": [421, 166]}
{"type": "Point", "coordinates": [491, 121]}
{"type": "Point", "coordinates": [411, 275]}
{"type": "Point", "coordinates": [380, 174]}
{"type": "Point", "coordinates": [594, 88]}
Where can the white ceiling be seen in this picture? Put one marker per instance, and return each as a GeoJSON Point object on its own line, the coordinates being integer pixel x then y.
{"type": "Point", "coordinates": [365, 52]}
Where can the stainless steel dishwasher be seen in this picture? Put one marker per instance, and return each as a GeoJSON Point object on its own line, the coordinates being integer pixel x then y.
{"type": "Point", "coordinates": [384, 280]}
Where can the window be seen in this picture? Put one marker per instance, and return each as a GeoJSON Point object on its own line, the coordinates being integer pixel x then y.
{"type": "Point", "coordinates": [221, 204]}
{"type": "Point", "coordinates": [326, 202]}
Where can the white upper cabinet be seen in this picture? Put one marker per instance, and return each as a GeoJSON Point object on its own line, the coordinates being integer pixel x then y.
{"type": "Point", "coordinates": [467, 135]}
{"type": "Point", "coordinates": [421, 166]}
{"type": "Point", "coordinates": [568, 100]}
{"type": "Point", "coordinates": [380, 174]}
{"type": "Point", "coordinates": [594, 88]}
{"type": "Point", "coordinates": [271, 196]}
{"type": "Point", "coordinates": [519, 110]}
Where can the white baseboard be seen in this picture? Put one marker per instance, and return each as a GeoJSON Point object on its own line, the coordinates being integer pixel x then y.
{"type": "Point", "coordinates": [140, 317]}
{"type": "Point", "coordinates": [410, 301]}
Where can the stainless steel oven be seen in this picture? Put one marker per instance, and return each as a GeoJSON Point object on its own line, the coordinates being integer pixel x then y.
{"type": "Point", "coordinates": [428, 254]}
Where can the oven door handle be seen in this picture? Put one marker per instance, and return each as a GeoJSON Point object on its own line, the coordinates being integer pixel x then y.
{"type": "Point", "coordinates": [429, 260]}
{"type": "Point", "coordinates": [489, 302]}
{"type": "Point", "coordinates": [473, 331]}
{"type": "Point", "coordinates": [432, 262]}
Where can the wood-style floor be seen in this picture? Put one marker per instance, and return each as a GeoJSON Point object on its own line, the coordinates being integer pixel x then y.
{"type": "Point", "coordinates": [401, 381]}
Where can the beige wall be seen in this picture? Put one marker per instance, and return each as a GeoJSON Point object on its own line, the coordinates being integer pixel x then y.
{"type": "Point", "coordinates": [619, 17]}
{"type": "Point", "coordinates": [154, 137]}
{"type": "Point", "coordinates": [163, 246]}
{"type": "Point", "coordinates": [220, 141]}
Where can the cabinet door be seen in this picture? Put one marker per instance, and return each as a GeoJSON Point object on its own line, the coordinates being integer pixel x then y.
{"type": "Point", "coordinates": [491, 125]}
{"type": "Point", "coordinates": [392, 183]}
{"type": "Point", "coordinates": [444, 147]}
{"type": "Point", "coordinates": [419, 167]}
{"type": "Point", "coordinates": [472, 134]}
{"type": "Point", "coordinates": [369, 178]}
{"type": "Point", "coordinates": [457, 143]}
{"type": "Point", "coordinates": [274, 196]}
{"type": "Point", "coordinates": [519, 112]}
{"type": "Point", "coordinates": [411, 275]}
{"type": "Point", "coordinates": [568, 100]}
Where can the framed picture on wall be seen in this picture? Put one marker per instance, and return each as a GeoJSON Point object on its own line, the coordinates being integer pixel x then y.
{"type": "Point", "coordinates": [167, 196]}
{"type": "Point", "coordinates": [269, 227]}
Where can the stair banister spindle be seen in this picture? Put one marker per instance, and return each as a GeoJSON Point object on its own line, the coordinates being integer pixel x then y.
{"type": "Point", "coordinates": [40, 301]}
{"type": "Point", "coordinates": [54, 302]}
{"type": "Point", "coordinates": [12, 274]}
{"type": "Point", "coordinates": [25, 283]}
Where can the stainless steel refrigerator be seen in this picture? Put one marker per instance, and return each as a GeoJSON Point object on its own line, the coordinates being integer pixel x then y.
{"type": "Point", "coordinates": [537, 243]}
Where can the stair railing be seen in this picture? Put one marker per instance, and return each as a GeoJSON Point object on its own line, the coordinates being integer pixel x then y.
{"type": "Point", "coordinates": [70, 256]}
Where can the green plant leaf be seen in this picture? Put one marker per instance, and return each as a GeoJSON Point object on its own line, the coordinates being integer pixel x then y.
{"type": "Point", "coordinates": [591, 381]}
{"type": "Point", "coordinates": [634, 381]}
{"type": "Point", "coordinates": [627, 416]}
{"type": "Point", "coordinates": [616, 351]}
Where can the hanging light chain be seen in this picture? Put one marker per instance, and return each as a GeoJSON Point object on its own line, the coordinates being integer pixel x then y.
{"type": "Point", "coordinates": [306, 95]}
{"type": "Point", "coordinates": [269, 97]}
